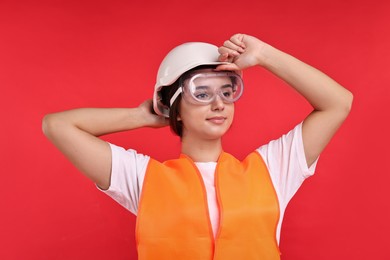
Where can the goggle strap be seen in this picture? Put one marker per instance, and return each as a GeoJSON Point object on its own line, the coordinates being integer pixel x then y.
{"type": "Point", "coordinates": [177, 93]}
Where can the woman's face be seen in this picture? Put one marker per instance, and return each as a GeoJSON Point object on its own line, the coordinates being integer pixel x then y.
{"type": "Point", "coordinates": [209, 121]}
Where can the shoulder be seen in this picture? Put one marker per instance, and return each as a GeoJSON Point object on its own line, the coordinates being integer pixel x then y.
{"type": "Point", "coordinates": [283, 146]}
{"type": "Point", "coordinates": [128, 154]}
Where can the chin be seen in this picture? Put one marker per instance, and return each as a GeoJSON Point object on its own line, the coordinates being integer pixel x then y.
{"type": "Point", "coordinates": [212, 135]}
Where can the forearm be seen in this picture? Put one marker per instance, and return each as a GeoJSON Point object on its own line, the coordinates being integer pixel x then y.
{"type": "Point", "coordinates": [95, 121]}
{"type": "Point", "coordinates": [322, 92]}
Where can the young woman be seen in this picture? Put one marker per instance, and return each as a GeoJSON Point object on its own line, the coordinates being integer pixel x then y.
{"type": "Point", "coordinates": [205, 204]}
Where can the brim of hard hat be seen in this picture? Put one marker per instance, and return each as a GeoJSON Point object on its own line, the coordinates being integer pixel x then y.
{"type": "Point", "coordinates": [164, 111]}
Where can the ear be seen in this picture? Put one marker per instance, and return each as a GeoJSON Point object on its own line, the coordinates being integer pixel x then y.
{"type": "Point", "coordinates": [178, 118]}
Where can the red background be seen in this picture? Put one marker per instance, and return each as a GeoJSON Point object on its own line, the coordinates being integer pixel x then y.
{"type": "Point", "coordinates": [57, 55]}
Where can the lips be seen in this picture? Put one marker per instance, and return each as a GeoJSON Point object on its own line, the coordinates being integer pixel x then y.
{"type": "Point", "coordinates": [217, 119]}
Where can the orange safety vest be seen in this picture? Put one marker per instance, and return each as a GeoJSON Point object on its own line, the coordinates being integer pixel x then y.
{"type": "Point", "coordinates": [173, 219]}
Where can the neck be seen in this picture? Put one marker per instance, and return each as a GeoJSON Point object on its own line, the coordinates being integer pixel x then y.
{"type": "Point", "coordinates": [202, 150]}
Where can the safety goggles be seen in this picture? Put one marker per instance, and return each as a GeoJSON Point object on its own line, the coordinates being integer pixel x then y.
{"type": "Point", "coordinates": [204, 87]}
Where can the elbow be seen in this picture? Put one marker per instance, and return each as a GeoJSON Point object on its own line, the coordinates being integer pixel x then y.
{"type": "Point", "coordinates": [341, 106]}
{"type": "Point", "coordinates": [46, 123]}
{"type": "Point", "coordinates": [49, 124]}
{"type": "Point", "coordinates": [345, 105]}
{"type": "Point", "coordinates": [348, 102]}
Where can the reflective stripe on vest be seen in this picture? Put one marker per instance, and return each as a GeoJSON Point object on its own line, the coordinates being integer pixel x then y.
{"type": "Point", "coordinates": [173, 219]}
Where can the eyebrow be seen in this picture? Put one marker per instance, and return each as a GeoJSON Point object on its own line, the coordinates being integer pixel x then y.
{"type": "Point", "coordinates": [227, 86]}
{"type": "Point", "coordinates": [202, 87]}
{"type": "Point", "coordinates": [223, 86]}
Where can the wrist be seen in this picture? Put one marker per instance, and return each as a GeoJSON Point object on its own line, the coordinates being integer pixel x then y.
{"type": "Point", "coordinates": [146, 118]}
{"type": "Point", "coordinates": [142, 117]}
{"type": "Point", "coordinates": [265, 55]}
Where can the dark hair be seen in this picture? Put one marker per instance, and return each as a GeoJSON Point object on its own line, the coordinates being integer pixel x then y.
{"type": "Point", "coordinates": [167, 92]}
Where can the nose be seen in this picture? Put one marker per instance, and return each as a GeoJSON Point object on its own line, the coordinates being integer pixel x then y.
{"type": "Point", "coordinates": [217, 104]}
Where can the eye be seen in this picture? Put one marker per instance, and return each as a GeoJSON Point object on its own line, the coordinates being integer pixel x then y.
{"type": "Point", "coordinates": [228, 92]}
{"type": "Point", "coordinates": [202, 96]}
{"type": "Point", "coordinates": [203, 93]}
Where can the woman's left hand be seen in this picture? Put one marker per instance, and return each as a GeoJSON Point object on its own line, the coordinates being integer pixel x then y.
{"type": "Point", "coordinates": [242, 51]}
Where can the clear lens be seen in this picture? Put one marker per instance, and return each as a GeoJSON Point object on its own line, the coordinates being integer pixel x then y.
{"type": "Point", "coordinates": [203, 88]}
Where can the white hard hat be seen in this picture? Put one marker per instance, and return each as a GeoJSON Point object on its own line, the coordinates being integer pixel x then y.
{"type": "Point", "coordinates": [178, 61]}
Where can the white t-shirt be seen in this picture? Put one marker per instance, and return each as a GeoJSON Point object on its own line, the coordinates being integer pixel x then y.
{"type": "Point", "coordinates": [284, 157]}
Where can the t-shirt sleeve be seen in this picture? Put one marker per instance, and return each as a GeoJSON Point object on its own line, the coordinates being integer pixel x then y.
{"type": "Point", "coordinates": [286, 162]}
{"type": "Point", "coordinates": [127, 175]}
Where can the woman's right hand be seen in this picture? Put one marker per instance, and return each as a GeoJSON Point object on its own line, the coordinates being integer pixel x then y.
{"type": "Point", "coordinates": [152, 119]}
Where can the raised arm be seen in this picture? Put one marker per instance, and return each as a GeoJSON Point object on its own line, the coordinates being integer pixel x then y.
{"type": "Point", "coordinates": [75, 133]}
{"type": "Point", "coordinates": [331, 102]}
